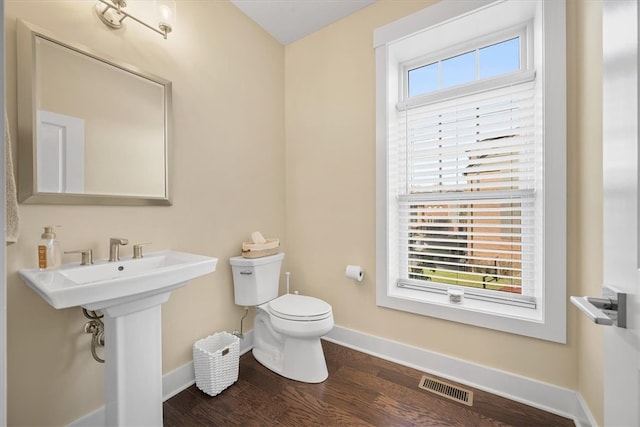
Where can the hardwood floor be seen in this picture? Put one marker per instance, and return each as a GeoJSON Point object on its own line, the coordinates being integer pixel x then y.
{"type": "Point", "coordinates": [361, 390]}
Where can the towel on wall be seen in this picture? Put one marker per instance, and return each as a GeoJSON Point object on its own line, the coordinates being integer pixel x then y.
{"type": "Point", "coordinates": [13, 221]}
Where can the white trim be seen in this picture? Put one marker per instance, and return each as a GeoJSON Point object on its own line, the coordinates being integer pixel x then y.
{"type": "Point", "coordinates": [173, 383]}
{"type": "Point", "coordinates": [428, 17]}
{"type": "Point", "coordinates": [548, 397]}
{"type": "Point", "coordinates": [587, 418]}
{"type": "Point", "coordinates": [95, 419]}
{"type": "Point", "coordinates": [475, 87]}
{"type": "Point", "coordinates": [555, 163]}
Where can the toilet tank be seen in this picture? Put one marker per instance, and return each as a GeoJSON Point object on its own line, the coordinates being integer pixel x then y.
{"type": "Point", "coordinates": [256, 280]}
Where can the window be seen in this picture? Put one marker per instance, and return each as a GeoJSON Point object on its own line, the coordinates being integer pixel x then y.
{"type": "Point", "coordinates": [471, 165]}
{"type": "Point", "coordinates": [484, 62]}
{"type": "Point", "coordinates": [499, 58]}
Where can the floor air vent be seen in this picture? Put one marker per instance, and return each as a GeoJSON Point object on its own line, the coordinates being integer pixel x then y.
{"type": "Point", "coordinates": [446, 390]}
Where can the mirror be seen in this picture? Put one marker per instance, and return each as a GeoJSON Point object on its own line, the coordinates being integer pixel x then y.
{"type": "Point", "coordinates": [91, 130]}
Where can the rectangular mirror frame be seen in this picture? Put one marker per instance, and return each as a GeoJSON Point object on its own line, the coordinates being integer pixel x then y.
{"type": "Point", "coordinates": [27, 125]}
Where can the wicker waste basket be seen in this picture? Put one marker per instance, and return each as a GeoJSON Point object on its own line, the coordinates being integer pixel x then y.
{"type": "Point", "coordinates": [216, 360]}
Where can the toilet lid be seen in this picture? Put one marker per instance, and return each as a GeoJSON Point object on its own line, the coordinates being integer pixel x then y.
{"type": "Point", "coordinates": [299, 307]}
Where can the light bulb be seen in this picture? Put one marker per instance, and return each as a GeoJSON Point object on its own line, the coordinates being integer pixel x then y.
{"type": "Point", "coordinates": [166, 12]}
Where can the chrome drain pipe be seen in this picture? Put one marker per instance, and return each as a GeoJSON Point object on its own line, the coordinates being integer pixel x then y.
{"type": "Point", "coordinates": [95, 327]}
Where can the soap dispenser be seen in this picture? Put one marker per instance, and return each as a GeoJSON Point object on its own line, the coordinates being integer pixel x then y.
{"type": "Point", "coordinates": [49, 251]}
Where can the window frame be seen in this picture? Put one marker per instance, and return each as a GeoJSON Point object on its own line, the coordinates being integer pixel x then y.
{"type": "Point", "coordinates": [550, 320]}
{"type": "Point", "coordinates": [521, 31]}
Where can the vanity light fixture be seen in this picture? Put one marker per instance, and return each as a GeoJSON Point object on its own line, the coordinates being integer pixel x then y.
{"type": "Point", "coordinates": [111, 13]}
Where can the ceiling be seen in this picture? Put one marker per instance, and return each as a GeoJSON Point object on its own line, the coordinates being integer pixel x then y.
{"type": "Point", "coordinates": [290, 20]}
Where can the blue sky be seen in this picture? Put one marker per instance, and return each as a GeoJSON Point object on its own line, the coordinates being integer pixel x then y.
{"type": "Point", "coordinates": [493, 60]}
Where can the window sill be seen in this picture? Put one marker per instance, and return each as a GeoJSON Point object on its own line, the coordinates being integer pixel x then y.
{"type": "Point", "coordinates": [486, 314]}
{"type": "Point", "coordinates": [467, 304]}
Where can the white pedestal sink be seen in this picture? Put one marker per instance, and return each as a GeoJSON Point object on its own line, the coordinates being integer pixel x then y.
{"type": "Point", "coordinates": [129, 294]}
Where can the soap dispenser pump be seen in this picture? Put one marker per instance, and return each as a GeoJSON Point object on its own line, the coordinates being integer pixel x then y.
{"type": "Point", "coordinates": [49, 251]}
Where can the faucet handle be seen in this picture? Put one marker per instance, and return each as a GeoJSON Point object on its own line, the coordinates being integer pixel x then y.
{"type": "Point", "coordinates": [137, 250]}
{"type": "Point", "coordinates": [87, 255]}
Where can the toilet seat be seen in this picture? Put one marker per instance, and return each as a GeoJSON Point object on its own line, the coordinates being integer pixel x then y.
{"type": "Point", "coordinates": [299, 308]}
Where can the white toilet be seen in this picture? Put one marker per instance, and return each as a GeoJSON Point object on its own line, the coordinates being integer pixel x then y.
{"type": "Point", "coordinates": [287, 329]}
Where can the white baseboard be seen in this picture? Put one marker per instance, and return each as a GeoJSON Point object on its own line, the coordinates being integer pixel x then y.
{"type": "Point", "coordinates": [587, 419]}
{"type": "Point", "coordinates": [548, 397]}
{"type": "Point", "coordinates": [172, 383]}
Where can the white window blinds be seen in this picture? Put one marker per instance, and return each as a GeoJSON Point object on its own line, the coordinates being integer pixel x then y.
{"type": "Point", "coordinates": [466, 175]}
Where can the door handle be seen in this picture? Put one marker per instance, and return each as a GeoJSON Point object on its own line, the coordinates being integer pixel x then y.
{"type": "Point", "coordinates": [592, 311]}
{"type": "Point", "coordinates": [610, 309]}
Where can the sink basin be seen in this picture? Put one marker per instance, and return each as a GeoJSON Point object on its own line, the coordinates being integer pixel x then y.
{"type": "Point", "coordinates": [105, 284]}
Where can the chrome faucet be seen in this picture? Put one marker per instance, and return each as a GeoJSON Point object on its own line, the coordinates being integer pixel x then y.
{"type": "Point", "coordinates": [114, 248]}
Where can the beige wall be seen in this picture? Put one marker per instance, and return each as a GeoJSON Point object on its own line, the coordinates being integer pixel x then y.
{"type": "Point", "coordinates": [585, 191]}
{"type": "Point", "coordinates": [233, 171]}
{"type": "Point", "coordinates": [228, 180]}
{"type": "Point", "coordinates": [330, 162]}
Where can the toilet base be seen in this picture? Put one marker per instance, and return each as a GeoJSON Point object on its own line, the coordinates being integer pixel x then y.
{"type": "Point", "coordinates": [297, 358]}
{"type": "Point", "coordinates": [301, 361]}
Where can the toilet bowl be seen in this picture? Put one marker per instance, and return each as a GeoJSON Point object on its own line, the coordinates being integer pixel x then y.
{"type": "Point", "coordinates": [287, 334]}
{"type": "Point", "coordinates": [287, 328]}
